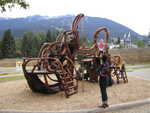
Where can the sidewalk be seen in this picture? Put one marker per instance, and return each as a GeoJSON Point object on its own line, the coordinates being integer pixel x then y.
{"type": "Point", "coordinates": [95, 110]}
{"type": "Point", "coordinates": [140, 73]}
{"type": "Point", "coordinates": [140, 109]}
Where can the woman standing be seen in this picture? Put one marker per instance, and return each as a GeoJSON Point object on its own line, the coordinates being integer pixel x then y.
{"type": "Point", "coordinates": [104, 74]}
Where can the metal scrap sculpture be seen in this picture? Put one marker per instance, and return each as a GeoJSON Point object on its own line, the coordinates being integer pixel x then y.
{"type": "Point", "coordinates": [119, 69]}
{"type": "Point", "coordinates": [54, 68]}
{"type": "Point", "coordinates": [92, 56]}
{"type": "Point", "coordinates": [55, 62]}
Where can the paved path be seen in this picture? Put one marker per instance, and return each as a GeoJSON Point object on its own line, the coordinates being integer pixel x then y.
{"type": "Point", "coordinates": [141, 109]}
{"type": "Point", "coordinates": [140, 73]}
{"type": "Point", "coordinates": [131, 107]}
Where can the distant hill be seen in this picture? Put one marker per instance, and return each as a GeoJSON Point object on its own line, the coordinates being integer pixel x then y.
{"type": "Point", "coordinates": [39, 23]}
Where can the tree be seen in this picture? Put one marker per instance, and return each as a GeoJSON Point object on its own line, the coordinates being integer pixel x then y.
{"type": "Point", "coordinates": [4, 4]}
{"type": "Point", "coordinates": [26, 46]}
{"type": "Point", "coordinates": [118, 41]}
{"type": "Point", "coordinates": [112, 40]}
{"type": "Point", "coordinates": [140, 43]}
{"type": "Point", "coordinates": [0, 50]}
{"type": "Point", "coordinates": [149, 34]}
{"type": "Point", "coordinates": [55, 33]}
{"type": "Point", "coordinates": [8, 45]}
{"type": "Point", "coordinates": [41, 37]}
{"type": "Point", "coordinates": [18, 42]}
{"type": "Point", "coordinates": [89, 43]}
{"type": "Point", "coordinates": [35, 47]}
{"type": "Point", "coordinates": [30, 45]}
{"type": "Point", "coordinates": [49, 37]}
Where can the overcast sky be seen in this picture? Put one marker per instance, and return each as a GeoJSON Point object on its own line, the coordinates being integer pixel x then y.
{"type": "Point", "coordinates": [134, 14]}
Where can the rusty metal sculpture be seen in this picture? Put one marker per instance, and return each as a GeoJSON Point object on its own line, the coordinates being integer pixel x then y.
{"type": "Point", "coordinates": [119, 69]}
{"type": "Point", "coordinates": [55, 62]}
{"type": "Point", "coordinates": [54, 68]}
{"type": "Point", "coordinates": [92, 56]}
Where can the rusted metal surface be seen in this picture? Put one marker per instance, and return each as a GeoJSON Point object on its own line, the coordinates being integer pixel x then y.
{"type": "Point", "coordinates": [54, 68]}
{"type": "Point", "coordinates": [55, 63]}
{"type": "Point", "coordinates": [119, 70]}
{"type": "Point", "coordinates": [92, 60]}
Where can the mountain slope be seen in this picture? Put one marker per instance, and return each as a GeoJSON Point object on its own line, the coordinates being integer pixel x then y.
{"type": "Point", "coordinates": [39, 23]}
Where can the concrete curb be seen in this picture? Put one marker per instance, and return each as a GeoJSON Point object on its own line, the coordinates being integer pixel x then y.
{"type": "Point", "coordinates": [95, 110]}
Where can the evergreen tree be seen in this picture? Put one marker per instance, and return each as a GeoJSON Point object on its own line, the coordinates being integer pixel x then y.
{"type": "Point", "coordinates": [89, 43]}
{"type": "Point", "coordinates": [0, 51]}
{"type": "Point", "coordinates": [41, 37]}
{"type": "Point", "coordinates": [8, 45]}
{"type": "Point", "coordinates": [18, 42]}
{"type": "Point", "coordinates": [50, 36]}
{"type": "Point", "coordinates": [30, 45]}
{"type": "Point", "coordinates": [55, 33]}
{"type": "Point", "coordinates": [118, 40]}
{"type": "Point", "coordinates": [26, 45]}
{"type": "Point", "coordinates": [35, 47]}
{"type": "Point", "coordinates": [149, 34]}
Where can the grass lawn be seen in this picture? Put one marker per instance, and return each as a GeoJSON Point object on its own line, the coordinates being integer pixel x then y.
{"type": "Point", "coordinates": [5, 79]}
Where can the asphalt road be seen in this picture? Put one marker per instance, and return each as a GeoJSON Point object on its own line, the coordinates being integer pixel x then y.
{"type": "Point", "coordinates": [140, 73]}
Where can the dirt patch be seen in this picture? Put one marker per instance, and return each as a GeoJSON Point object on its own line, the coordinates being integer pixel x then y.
{"type": "Point", "coordinates": [9, 62]}
{"type": "Point", "coordinates": [12, 62]}
{"type": "Point", "coordinates": [17, 95]}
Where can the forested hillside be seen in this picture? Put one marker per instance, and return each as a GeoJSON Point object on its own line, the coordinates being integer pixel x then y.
{"type": "Point", "coordinates": [42, 23]}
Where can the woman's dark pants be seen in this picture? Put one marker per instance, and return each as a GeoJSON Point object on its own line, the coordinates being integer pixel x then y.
{"type": "Point", "coordinates": [103, 86]}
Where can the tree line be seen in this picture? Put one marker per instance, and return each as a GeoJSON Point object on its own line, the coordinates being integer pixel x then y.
{"type": "Point", "coordinates": [26, 46]}
{"type": "Point", "coordinates": [30, 44]}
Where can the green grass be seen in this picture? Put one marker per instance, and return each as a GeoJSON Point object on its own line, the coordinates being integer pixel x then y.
{"type": "Point", "coordinates": [11, 78]}
{"type": "Point", "coordinates": [129, 70]}
{"type": "Point", "coordinates": [132, 69]}
{"type": "Point", "coordinates": [4, 73]}
{"type": "Point", "coordinates": [143, 63]}
{"type": "Point", "coordinates": [9, 73]}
